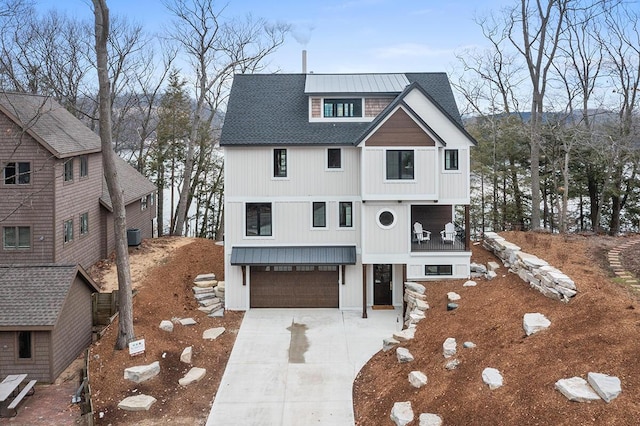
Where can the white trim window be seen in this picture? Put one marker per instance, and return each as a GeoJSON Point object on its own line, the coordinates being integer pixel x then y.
{"type": "Point", "coordinates": [451, 160]}
{"type": "Point", "coordinates": [279, 163]}
{"type": "Point", "coordinates": [334, 159]}
{"type": "Point", "coordinates": [345, 214]}
{"type": "Point", "coordinates": [319, 213]}
{"type": "Point", "coordinates": [400, 164]}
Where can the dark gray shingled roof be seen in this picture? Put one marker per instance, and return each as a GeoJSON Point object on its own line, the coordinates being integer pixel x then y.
{"type": "Point", "coordinates": [302, 255]}
{"type": "Point", "coordinates": [273, 109]}
{"type": "Point", "coordinates": [33, 296]}
{"type": "Point", "coordinates": [49, 123]}
{"type": "Point", "coordinates": [133, 183]}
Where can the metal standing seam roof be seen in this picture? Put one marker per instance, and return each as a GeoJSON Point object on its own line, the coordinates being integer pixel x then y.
{"type": "Point", "coordinates": [33, 296]}
{"type": "Point", "coordinates": [355, 83]}
{"type": "Point", "coordinates": [61, 132]}
{"type": "Point", "coordinates": [295, 255]}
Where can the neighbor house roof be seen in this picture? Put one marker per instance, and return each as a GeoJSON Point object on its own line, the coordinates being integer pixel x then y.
{"type": "Point", "coordinates": [306, 255]}
{"type": "Point", "coordinates": [134, 184]}
{"type": "Point", "coordinates": [273, 109]}
{"type": "Point", "coordinates": [33, 296]}
{"type": "Point", "coordinates": [50, 124]}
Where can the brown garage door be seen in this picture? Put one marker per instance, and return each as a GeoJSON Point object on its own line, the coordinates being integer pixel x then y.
{"type": "Point", "coordinates": [294, 287]}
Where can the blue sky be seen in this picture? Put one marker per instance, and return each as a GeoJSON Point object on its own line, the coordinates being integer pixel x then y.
{"type": "Point", "coordinates": [340, 35]}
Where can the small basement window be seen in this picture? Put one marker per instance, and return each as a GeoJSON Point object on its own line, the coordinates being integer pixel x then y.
{"type": "Point", "coordinates": [438, 270]}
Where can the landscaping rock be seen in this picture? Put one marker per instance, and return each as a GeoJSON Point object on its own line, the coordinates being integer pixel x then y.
{"type": "Point", "coordinates": [429, 419]}
{"type": "Point", "coordinates": [166, 325]}
{"type": "Point", "coordinates": [402, 413]}
{"type": "Point", "coordinates": [490, 275]}
{"type": "Point", "coordinates": [187, 321]}
{"type": "Point", "coordinates": [417, 379]}
{"type": "Point", "coordinates": [492, 266]}
{"type": "Point", "coordinates": [449, 347]}
{"type": "Point", "coordinates": [607, 387]}
{"type": "Point", "coordinates": [193, 375]}
{"type": "Point", "coordinates": [405, 335]}
{"type": "Point", "coordinates": [415, 287]}
{"type": "Point", "coordinates": [452, 306]}
{"type": "Point", "coordinates": [141, 373]}
{"type": "Point", "coordinates": [137, 403]}
{"type": "Point", "coordinates": [534, 322]}
{"type": "Point", "coordinates": [478, 268]}
{"type": "Point", "coordinates": [186, 354]}
{"type": "Point", "coordinates": [576, 389]}
{"type": "Point", "coordinates": [404, 355]}
{"type": "Point", "coordinates": [452, 365]}
{"type": "Point", "coordinates": [213, 333]}
{"type": "Point", "coordinates": [492, 377]}
{"type": "Point", "coordinates": [421, 305]}
{"type": "Point", "coordinates": [205, 277]}
{"type": "Point", "coordinates": [453, 296]}
{"type": "Point", "coordinates": [389, 343]}
{"type": "Point", "coordinates": [469, 283]}
{"type": "Point", "coordinates": [469, 345]}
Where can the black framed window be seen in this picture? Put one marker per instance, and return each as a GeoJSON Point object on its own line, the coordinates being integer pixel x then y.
{"type": "Point", "coordinates": [341, 108]}
{"type": "Point", "coordinates": [345, 213]}
{"type": "Point", "coordinates": [280, 163]}
{"type": "Point", "coordinates": [84, 166]}
{"type": "Point", "coordinates": [319, 214]}
{"type": "Point", "coordinates": [438, 270]}
{"type": "Point", "coordinates": [400, 164]}
{"type": "Point", "coordinates": [25, 345]}
{"type": "Point", "coordinates": [17, 173]}
{"type": "Point", "coordinates": [258, 220]}
{"type": "Point", "coordinates": [68, 170]}
{"type": "Point", "coordinates": [451, 159]}
{"type": "Point", "coordinates": [334, 158]}
{"type": "Point", "coordinates": [16, 237]}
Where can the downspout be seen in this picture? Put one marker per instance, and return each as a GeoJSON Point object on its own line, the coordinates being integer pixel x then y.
{"type": "Point", "coordinates": [364, 291]}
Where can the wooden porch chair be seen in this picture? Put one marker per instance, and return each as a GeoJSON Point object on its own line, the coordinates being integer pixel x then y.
{"type": "Point", "coordinates": [448, 234]}
{"type": "Point", "coordinates": [421, 234]}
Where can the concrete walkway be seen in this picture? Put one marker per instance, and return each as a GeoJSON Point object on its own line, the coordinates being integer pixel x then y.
{"type": "Point", "coordinates": [296, 366]}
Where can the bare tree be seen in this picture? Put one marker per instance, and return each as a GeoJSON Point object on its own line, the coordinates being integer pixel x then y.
{"type": "Point", "coordinates": [125, 320]}
{"type": "Point", "coordinates": [216, 49]}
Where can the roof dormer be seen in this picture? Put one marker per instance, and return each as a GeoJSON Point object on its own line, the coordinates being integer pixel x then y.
{"type": "Point", "coordinates": [351, 97]}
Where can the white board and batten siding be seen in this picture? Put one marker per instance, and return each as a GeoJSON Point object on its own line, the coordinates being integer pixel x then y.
{"type": "Point", "coordinates": [249, 173]}
{"type": "Point", "coordinates": [459, 261]}
{"type": "Point", "coordinates": [423, 186]}
{"type": "Point", "coordinates": [454, 185]}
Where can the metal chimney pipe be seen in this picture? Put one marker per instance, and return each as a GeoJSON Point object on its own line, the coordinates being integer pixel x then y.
{"type": "Point", "coordinates": [304, 61]}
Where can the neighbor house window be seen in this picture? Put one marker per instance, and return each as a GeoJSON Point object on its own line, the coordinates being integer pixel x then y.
{"type": "Point", "coordinates": [84, 166]}
{"type": "Point", "coordinates": [84, 223]}
{"type": "Point", "coordinates": [451, 159]}
{"type": "Point", "coordinates": [68, 170]}
{"type": "Point", "coordinates": [17, 173]}
{"type": "Point", "coordinates": [16, 237]}
{"type": "Point", "coordinates": [345, 213]}
{"type": "Point", "coordinates": [143, 203]}
{"type": "Point", "coordinates": [67, 229]}
{"type": "Point", "coordinates": [319, 214]}
{"type": "Point", "coordinates": [334, 158]}
{"type": "Point", "coordinates": [438, 270]}
{"type": "Point", "coordinates": [280, 163]}
{"type": "Point", "coordinates": [24, 345]}
{"type": "Point", "coordinates": [343, 107]}
{"type": "Point", "coordinates": [399, 164]}
{"type": "Point", "coordinates": [258, 222]}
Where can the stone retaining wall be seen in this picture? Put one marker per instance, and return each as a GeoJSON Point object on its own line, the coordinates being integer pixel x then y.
{"type": "Point", "coordinates": [536, 272]}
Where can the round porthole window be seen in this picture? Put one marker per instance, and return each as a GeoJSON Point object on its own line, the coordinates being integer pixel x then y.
{"type": "Point", "coordinates": [386, 218]}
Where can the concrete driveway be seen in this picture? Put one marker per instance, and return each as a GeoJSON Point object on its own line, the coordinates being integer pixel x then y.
{"type": "Point", "coordinates": [296, 366]}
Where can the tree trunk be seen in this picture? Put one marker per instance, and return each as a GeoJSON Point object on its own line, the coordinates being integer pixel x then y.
{"type": "Point", "coordinates": [125, 321]}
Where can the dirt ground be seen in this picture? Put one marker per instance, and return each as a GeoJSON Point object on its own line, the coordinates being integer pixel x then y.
{"type": "Point", "coordinates": [597, 331]}
{"type": "Point", "coordinates": [164, 284]}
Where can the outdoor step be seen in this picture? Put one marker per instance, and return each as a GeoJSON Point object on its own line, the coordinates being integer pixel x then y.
{"type": "Point", "coordinates": [201, 290]}
{"type": "Point", "coordinates": [206, 296]}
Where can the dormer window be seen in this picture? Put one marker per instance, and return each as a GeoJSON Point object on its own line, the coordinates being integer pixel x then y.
{"type": "Point", "coordinates": [337, 108]}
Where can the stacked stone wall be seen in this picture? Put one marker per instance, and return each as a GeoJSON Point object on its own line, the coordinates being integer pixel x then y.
{"type": "Point", "coordinates": [545, 278]}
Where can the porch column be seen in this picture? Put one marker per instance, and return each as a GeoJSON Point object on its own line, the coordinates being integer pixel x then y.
{"type": "Point", "coordinates": [467, 226]}
{"type": "Point", "coordinates": [364, 291]}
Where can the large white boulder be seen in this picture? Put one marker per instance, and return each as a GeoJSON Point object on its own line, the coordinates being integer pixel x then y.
{"type": "Point", "coordinates": [576, 389]}
{"type": "Point", "coordinates": [402, 413]}
{"type": "Point", "coordinates": [430, 419]}
{"type": "Point", "coordinates": [404, 355]}
{"type": "Point", "coordinates": [417, 379]}
{"type": "Point", "coordinates": [492, 377]}
{"type": "Point", "coordinates": [608, 387]}
{"type": "Point", "coordinates": [534, 322]}
{"type": "Point", "coordinates": [192, 375]}
{"type": "Point", "coordinates": [137, 403]}
{"type": "Point", "coordinates": [213, 333]}
{"type": "Point", "coordinates": [141, 373]}
{"type": "Point", "coordinates": [449, 347]}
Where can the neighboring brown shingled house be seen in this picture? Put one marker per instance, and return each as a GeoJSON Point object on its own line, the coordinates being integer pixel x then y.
{"type": "Point", "coordinates": [55, 206]}
{"type": "Point", "coordinates": [45, 318]}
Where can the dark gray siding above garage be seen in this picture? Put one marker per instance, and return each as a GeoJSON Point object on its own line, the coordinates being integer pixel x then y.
{"type": "Point", "coordinates": [310, 255]}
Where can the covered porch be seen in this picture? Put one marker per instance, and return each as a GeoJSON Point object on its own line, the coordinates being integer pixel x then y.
{"type": "Point", "coordinates": [433, 219]}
